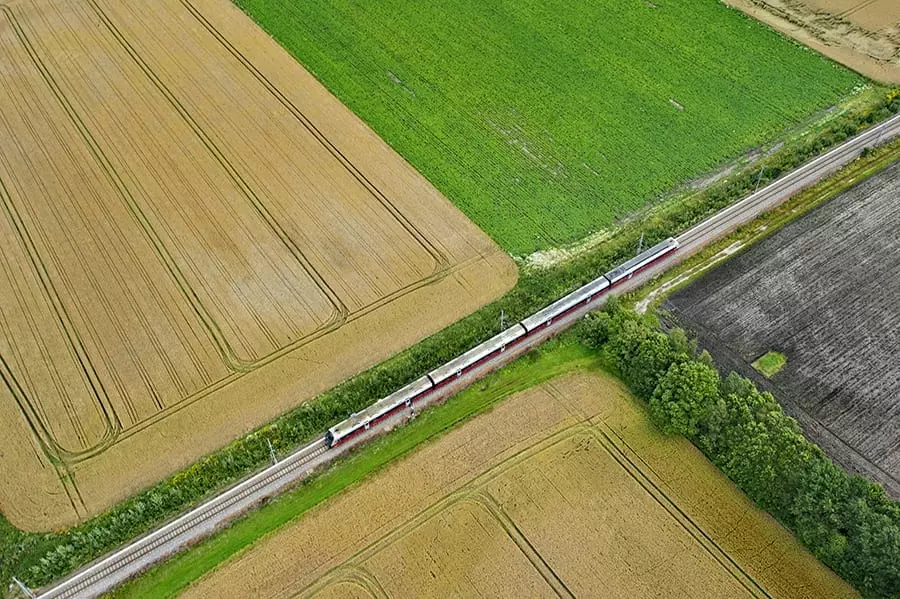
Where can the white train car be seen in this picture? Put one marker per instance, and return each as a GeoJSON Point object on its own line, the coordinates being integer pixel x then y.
{"type": "Point", "coordinates": [404, 398]}
{"type": "Point", "coordinates": [383, 408]}
{"type": "Point", "coordinates": [641, 261]}
{"type": "Point", "coordinates": [583, 295]}
{"type": "Point", "coordinates": [477, 355]}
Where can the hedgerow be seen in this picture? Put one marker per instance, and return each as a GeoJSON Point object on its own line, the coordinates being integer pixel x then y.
{"type": "Point", "coordinates": [37, 559]}
{"type": "Point", "coordinates": [846, 521]}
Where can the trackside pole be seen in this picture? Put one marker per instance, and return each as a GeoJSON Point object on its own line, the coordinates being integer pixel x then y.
{"type": "Point", "coordinates": [272, 453]}
{"type": "Point", "coordinates": [22, 587]}
{"type": "Point", "coordinates": [759, 178]}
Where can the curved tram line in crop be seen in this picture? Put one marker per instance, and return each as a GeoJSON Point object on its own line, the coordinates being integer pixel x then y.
{"type": "Point", "coordinates": [118, 393]}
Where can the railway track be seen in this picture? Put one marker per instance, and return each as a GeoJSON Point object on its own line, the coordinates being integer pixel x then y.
{"type": "Point", "coordinates": [114, 569]}
{"type": "Point", "coordinates": [107, 572]}
{"type": "Point", "coordinates": [785, 187]}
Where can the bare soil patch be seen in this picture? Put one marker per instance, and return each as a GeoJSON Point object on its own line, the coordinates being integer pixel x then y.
{"type": "Point", "coordinates": [822, 291]}
{"type": "Point", "coordinates": [861, 34]}
{"type": "Point", "coordinates": [196, 236]}
{"type": "Point", "coordinates": [562, 490]}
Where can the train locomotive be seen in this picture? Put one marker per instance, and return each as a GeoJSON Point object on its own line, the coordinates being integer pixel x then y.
{"type": "Point", "coordinates": [404, 398]}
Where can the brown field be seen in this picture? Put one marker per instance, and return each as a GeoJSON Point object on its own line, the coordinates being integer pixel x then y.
{"type": "Point", "coordinates": [196, 236]}
{"type": "Point", "coordinates": [861, 34]}
{"type": "Point", "coordinates": [562, 490]}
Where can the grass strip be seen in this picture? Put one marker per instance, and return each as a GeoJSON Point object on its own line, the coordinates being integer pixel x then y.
{"type": "Point", "coordinates": [770, 364]}
{"type": "Point", "coordinates": [552, 359]}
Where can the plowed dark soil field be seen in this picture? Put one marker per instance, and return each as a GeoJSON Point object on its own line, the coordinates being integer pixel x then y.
{"type": "Point", "coordinates": [825, 292]}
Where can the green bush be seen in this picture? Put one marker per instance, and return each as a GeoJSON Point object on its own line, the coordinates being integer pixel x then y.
{"type": "Point", "coordinates": [684, 397]}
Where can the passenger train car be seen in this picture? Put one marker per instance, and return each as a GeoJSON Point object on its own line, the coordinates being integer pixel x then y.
{"type": "Point", "coordinates": [421, 388]}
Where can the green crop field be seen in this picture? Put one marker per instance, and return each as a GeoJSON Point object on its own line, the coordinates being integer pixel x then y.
{"type": "Point", "coordinates": [546, 120]}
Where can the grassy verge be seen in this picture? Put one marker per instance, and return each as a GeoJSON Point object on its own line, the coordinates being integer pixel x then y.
{"type": "Point", "coordinates": [770, 364]}
{"type": "Point", "coordinates": [550, 360]}
{"type": "Point", "coordinates": [652, 295]}
{"type": "Point", "coordinates": [37, 559]}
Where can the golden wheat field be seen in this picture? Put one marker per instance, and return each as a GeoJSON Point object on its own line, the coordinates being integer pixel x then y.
{"type": "Point", "coordinates": [564, 490]}
{"type": "Point", "coordinates": [196, 236]}
{"type": "Point", "coordinates": [861, 34]}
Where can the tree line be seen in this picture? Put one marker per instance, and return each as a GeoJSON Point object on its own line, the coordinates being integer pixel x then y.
{"type": "Point", "coordinates": [846, 521]}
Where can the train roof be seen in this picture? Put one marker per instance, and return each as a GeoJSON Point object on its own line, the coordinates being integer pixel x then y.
{"type": "Point", "coordinates": [563, 304]}
{"type": "Point", "coordinates": [382, 406]}
{"type": "Point", "coordinates": [641, 259]}
{"type": "Point", "coordinates": [476, 353]}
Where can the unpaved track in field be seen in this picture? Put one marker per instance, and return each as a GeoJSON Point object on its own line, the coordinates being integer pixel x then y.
{"type": "Point", "coordinates": [196, 236]}
{"type": "Point", "coordinates": [561, 490]}
{"type": "Point", "coordinates": [863, 35]}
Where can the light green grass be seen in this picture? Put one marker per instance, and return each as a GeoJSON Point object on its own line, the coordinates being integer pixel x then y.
{"type": "Point", "coordinates": [770, 364]}
{"type": "Point", "coordinates": [551, 360]}
{"type": "Point", "coordinates": [545, 120]}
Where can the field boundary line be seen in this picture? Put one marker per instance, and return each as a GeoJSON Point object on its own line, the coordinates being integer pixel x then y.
{"type": "Point", "coordinates": [114, 178]}
{"type": "Point", "coordinates": [458, 495]}
{"type": "Point", "coordinates": [339, 310]}
{"type": "Point", "coordinates": [443, 267]}
{"type": "Point", "coordinates": [483, 499]}
{"type": "Point", "coordinates": [603, 434]}
{"type": "Point", "coordinates": [117, 431]}
{"type": "Point", "coordinates": [54, 452]}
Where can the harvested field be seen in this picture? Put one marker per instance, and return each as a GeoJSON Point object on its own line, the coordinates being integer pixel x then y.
{"type": "Point", "coordinates": [196, 236]}
{"type": "Point", "coordinates": [861, 34]}
{"type": "Point", "coordinates": [545, 121]}
{"type": "Point", "coordinates": [825, 292]}
{"type": "Point", "coordinates": [562, 490]}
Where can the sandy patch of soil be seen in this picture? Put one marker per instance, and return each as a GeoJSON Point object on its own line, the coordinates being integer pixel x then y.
{"type": "Point", "coordinates": [561, 490]}
{"type": "Point", "coordinates": [196, 236]}
{"type": "Point", "coordinates": [861, 34]}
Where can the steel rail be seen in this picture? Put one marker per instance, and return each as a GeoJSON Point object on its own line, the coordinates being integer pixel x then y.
{"type": "Point", "coordinates": [104, 574]}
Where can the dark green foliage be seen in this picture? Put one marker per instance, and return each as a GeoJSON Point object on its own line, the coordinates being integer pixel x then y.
{"type": "Point", "coordinates": [682, 400]}
{"type": "Point", "coordinates": [39, 558]}
{"type": "Point", "coordinates": [846, 521]}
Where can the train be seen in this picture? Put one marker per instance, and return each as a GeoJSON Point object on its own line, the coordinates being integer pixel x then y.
{"type": "Point", "coordinates": [422, 388]}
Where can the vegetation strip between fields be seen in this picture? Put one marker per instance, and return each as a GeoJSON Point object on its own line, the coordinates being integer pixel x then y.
{"type": "Point", "coordinates": [554, 358]}
{"type": "Point", "coordinates": [176, 574]}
